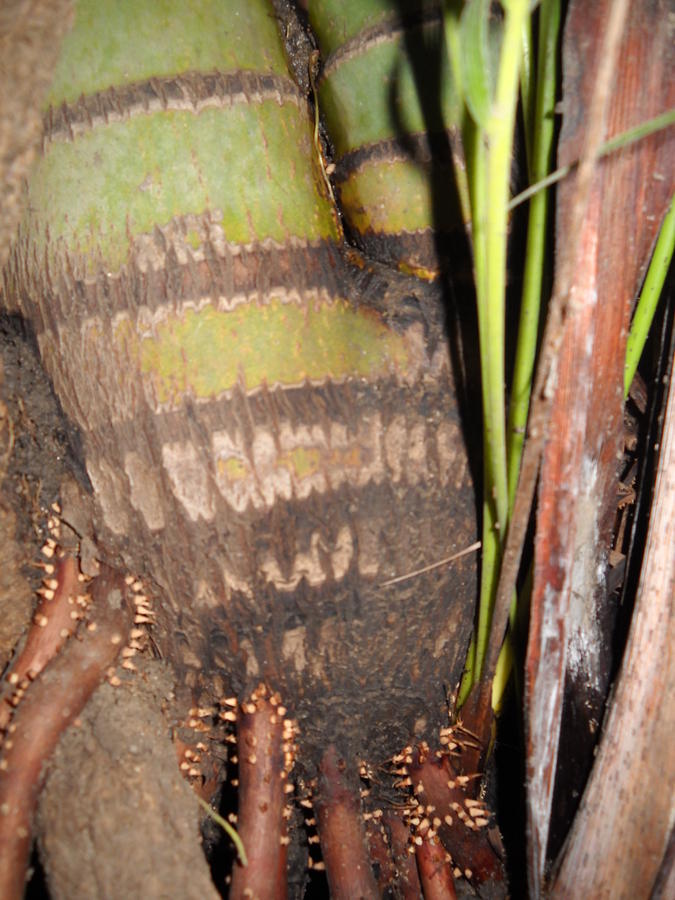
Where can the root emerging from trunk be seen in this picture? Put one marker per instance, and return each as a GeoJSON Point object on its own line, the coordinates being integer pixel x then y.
{"type": "Point", "coordinates": [50, 705]}
{"type": "Point", "coordinates": [462, 819]}
{"type": "Point", "coordinates": [262, 733]}
{"type": "Point", "coordinates": [342, 831]}
{"type": "Point", "coordinates": [54, 621]}
{"type": "Point", "coordinates": [439, 833]}
{"type": "Point", "coordinates": [435, 871]}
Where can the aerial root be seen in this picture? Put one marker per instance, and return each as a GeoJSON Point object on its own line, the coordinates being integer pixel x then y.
{"type": "Point", "coordinates": [407, 878]}
{"type": "Point", "coordinates": [379, 851]}
{"type": "Point", "coordinates": [263, 739]}
{"type": "Point", "coordinates": [342, 831]}
{"type": "Point", "coordinates": [51, 703]}
{"type": "Point", "coordinates": [435, 871]}
{"type": "Point", "coordinates": [463, 820]}
{"type": "Point", "coordinates": [55, 619]}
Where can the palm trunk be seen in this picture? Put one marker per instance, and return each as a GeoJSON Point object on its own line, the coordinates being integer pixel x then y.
{"type": "Point", "coordinates": [270, 427]}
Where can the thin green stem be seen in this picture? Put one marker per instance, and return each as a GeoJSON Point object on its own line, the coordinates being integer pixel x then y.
{"type": "Point", "coordinates": [491, 309]}
{"type": "Point", "coordinates": [227, 828]}
{"type": "Point", "coordinates": [499, 133]}
{"type": "Point", "coordinates": [533, 276]}
{"type": "Point", "coordinates": [542, 124]}
{"type": "Point", "coordinates": [649, 296]}
{"type": "Point", "coordinates": [476, 158]}
{"type": "Point", "coordinates": [451, 23]}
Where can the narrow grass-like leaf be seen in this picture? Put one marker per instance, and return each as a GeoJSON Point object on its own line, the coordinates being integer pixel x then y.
{"type": "Point", "coordinates": [649, 296]}
{"type": "Point", "coordinates": [658, 123]}
{"type": "Point", "coordinates": [527, 92]}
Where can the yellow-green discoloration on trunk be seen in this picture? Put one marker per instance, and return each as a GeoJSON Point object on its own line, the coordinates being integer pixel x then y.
{"type": "Point", "coordinates": [370, 204]}
{"type": "Point", "coordinates": [204, 353]}
{"type": "Point", "coordinates": [118, 43]}
{"type": "Point", "coordinates": [119, 181]}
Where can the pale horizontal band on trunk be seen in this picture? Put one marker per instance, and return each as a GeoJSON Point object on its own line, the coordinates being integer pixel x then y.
{"type": "Point", "coordinates": [187, 260]}
{"type": "Point", "coordinates": [189, 91]}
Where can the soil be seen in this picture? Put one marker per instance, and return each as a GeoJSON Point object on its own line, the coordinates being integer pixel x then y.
{"type": "Point", "coordinates": [36, 455]}
{"type": "Point", "coordinates": [114, 778]}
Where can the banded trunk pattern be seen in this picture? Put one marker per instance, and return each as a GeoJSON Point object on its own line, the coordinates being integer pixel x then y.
{"type": "Point", "coordinates": [270, 435]}
{"type": "Point", "coordinates": [387, 96]}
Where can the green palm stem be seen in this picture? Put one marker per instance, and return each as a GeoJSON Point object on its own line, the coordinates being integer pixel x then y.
{"type": "Point", "coordinates": [541, 142]}
{"type": "Point", "coordinates": [490, 223]}
{"type": "Point", "coordinates": [530, 308]}
{"type": "Point", "coordinates": [527, 92]}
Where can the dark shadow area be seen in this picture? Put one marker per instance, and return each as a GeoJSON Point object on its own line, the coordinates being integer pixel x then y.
{"type": "Point", "coordinates": [36, 889]}
{"type": "Point", "coordinates": [509, 765]}
{"type": "Point", "coordinates": [425, 48]}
